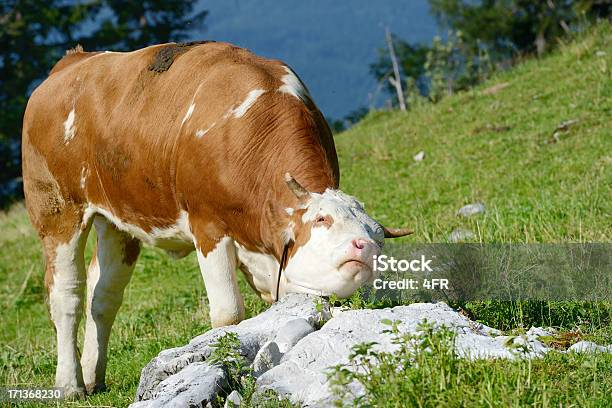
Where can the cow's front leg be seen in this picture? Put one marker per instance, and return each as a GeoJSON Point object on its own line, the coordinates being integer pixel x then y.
{"type": "Point", "coordinates": [217, 261]}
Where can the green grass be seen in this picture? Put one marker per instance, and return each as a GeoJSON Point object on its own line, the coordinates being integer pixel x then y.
{"type": "Point", "coordinates": [425, 371]}
{"type": "Point", "coordinates": [491, 148]}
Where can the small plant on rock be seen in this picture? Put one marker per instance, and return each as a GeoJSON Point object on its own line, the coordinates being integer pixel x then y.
{"type": "Point", "coordinates": [405, 370]}
{"type": "Point", "coordinates": [226, 354]}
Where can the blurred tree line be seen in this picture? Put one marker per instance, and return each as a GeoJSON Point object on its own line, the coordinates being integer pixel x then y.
{"type": "Point", "coordinates": [483, 36]}
{"type": "Point", "coordinates": [34, 34]}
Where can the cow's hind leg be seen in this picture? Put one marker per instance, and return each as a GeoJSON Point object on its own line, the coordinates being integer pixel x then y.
{"type": "Point", "coordinates": [65, 282]}
{"type": "Point", "coordinates": [108, 275]}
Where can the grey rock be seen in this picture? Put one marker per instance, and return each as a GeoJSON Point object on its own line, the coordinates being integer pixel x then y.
{"type": "Point", "coordinates": [540, 331]}
{"type": "Point", "coordinates": [524, 345]}
{"type": "Point", "coordinates": [589, 347]}
{"type": "Point", "coordinates": [267, 357]}
{"type": "Point", "coordinates": [196, 385]}
{"type": "Point", "coordinates": [252, 333]}
{"type": "Point", "coordinates": [291, 333]}
{"type": "Point", "coordinates": [471, 209]}
{"type": "Point", "coordinates": [290, 356]}
{"type": "Point", "coordinates": [233, 400]}
{"type": "Point", "coordinates": [460, 235]}
{"type": "Point", "coordinates": [301, 375]}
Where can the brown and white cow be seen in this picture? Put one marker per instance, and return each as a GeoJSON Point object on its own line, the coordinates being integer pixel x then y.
{"type": "Point", "coordinates": [183, 146]}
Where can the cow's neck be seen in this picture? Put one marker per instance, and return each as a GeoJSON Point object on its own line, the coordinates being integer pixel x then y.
{"type": "Point", "coordinates": [313, 167]}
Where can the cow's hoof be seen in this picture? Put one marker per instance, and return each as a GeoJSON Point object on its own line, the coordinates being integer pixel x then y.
{"type": "Point", "coordinates": [74, 393]}
{"type": "Point", "coordinates": [95, 388]}
{"type": "Point", "coordinates": [221, 319]}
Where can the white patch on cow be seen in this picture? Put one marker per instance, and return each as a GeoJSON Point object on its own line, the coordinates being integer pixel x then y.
{"type": "Point", "coordinates": [65, 299]}
{"type": "Point", "coordinates": [249, 101]}
{"type": "Point", "coordinates": [218, 270]}
{"type": "Point", "coordinates": [175, 237]}
{"type": "Point", "coordinates": [293, 86]}
{"type": "Point", "coordinates": [314, 267]}
{"type": "Point", "coordinates": [288, 234]}
{"type": "Point", "coordinates": [289, 211]}
{"type": "Point", "coordinates": [333, 202]}
{"type": "Point", "coordinates": [262, 268]}
{"type": "Point", "coordinates": [180, 231]}
{"type": "Point", "coordinates": [201, 132]}
{"type": "Point", "coordinates": [133, 230]}
{"type": "Point", "coordinates": [69, 127]}
{"type": "Point", "coordinates": [64, 263]}
{"type": "Point", "coordinates": [91, 351]}
{"type": "Point", "coordinates": [188, 114]}
{"type": "Point", "coordinates": [84, 174]}
{"type": "Point", "coordinates": [191, 105]}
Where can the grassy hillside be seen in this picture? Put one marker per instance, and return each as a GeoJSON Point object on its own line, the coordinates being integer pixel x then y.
{"type": "Point", "coordinates": [479, 146]}
{"type": "Point", "coordinates": [497, 148]}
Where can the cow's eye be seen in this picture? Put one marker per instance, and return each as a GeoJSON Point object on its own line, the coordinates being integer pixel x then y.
{"type": "Point", "coordinates": [320, 219]}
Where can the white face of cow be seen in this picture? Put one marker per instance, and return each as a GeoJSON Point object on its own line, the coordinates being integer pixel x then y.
{"type": "Point", "coordinates": [335, 242]}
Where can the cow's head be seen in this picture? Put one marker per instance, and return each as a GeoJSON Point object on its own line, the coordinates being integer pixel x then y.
{"type": "Point", "coordinates": [332, 242]}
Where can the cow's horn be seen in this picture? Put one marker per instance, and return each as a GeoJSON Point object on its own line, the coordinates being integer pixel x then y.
{"type": "Point", "coordinates": [397, 232]}
{"type": "Point", "coordinates": [296, 187]}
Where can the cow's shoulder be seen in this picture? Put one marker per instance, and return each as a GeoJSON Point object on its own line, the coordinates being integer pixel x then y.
{"type": "Point", "coordinates": [228, 59]}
